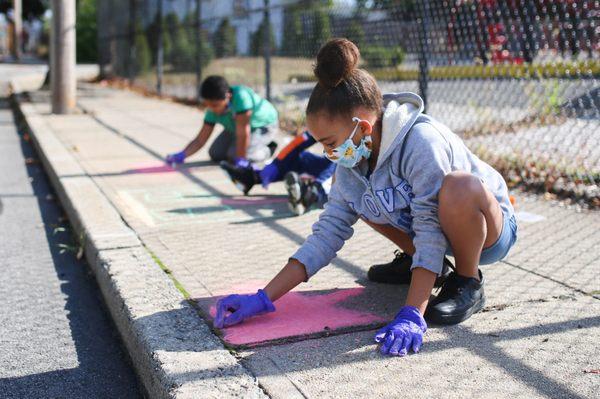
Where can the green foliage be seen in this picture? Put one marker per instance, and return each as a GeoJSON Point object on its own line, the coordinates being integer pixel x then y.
{"type": "Point", "coordinates": [257, 41]}
{"type": "Point", "coordinates": [307, 27]}
{"type": "Point", "coordinates": [403, 10]}
{"type": "Point", "coordinates": [292, 34]}
{"type": "Point", "coordinates": [356, 33]}
{"type": "Point", "coordinates": [34, 8]}
{"type": "Point", "coordinates": [152, 35]}
{"type": "Point", "coordinates": [143, 55]}
{"type": "Point", "coordinates": [224, 40]}
{"type": "Point", "coordinates": [207, 53]}
{"type": "Point", "coordinates": [86, 31]}
{"type": "Point", "coordinates": [182, 55]}
{"type": "Point", "coordinates": [321, 31]}
{"type": "Point", "coordinates": [179, 43]}
{"type": "Point", "coordinates": [381, 56]}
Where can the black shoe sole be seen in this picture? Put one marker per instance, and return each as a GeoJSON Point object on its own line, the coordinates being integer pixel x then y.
{"type": "Point", "coordinates": [449, 319]}
{"type": "Point", "coordinates": [439, 281]}
{"type": "Point", "coordinates": [229, 172]}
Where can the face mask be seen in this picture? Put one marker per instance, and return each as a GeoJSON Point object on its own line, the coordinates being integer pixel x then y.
{"type": "Point", "coordinates": [348, 154]}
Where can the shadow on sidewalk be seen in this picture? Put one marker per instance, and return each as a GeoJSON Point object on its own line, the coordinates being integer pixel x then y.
{"type": "Point", "coordinates": [338, 351]}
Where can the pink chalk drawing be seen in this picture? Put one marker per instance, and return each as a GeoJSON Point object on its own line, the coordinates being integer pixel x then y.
{"type": "Point", "coordinates": [236, 201]}
{"type": "Point", "coordinates": [162, 168]}
{"type": "Point", "coordinates": [299, 314]}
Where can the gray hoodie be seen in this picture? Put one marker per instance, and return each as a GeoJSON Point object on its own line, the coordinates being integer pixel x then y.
{"type": "Point", "coordinates": [416, 153]}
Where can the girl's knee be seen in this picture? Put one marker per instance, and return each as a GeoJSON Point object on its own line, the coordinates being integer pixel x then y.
{"type": "Point", "coordinates": [459, 189]}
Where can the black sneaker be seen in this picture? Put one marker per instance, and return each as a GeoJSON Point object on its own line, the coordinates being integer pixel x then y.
{"type": "Point", "coordinates": [459, 298]}
{"type": "Point", "coordinates": [398, 271]}
{"type": "Point", "coordinates": [243, 178]}
{"type": "Point", "coordinates": [303, 194]}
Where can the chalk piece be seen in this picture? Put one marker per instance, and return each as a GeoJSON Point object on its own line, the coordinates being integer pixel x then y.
{"type": "Point", "coordinates": [528, 217]}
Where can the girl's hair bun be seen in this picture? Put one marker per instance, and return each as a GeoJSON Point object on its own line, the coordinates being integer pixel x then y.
{"type": "Point", "coordinates": [336, 61]}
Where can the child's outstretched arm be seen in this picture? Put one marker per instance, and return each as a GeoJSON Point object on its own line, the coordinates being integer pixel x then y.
{"type": "Point", "coordinates": [194, 146]}
{"type": "Point", "coordinates": [333, 228]}
{"type": "Point", "coordinates": [286, 280]}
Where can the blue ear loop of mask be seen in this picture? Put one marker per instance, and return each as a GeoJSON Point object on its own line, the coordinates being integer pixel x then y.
{"type": "Point", "coordinates": [348, 154]}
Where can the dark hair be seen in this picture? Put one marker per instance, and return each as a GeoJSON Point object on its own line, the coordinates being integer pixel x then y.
{"type": "Point", "coordinates": [342, 85]}
{"type": "Point", "coordinates": [214, 88]}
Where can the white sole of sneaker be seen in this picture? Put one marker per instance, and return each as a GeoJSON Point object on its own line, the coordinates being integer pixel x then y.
{"type": "Point", "coordinates": [292, 185]}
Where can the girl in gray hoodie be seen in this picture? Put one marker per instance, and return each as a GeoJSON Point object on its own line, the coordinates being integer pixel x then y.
{"type": "Point", "coordinates": [411, 179]}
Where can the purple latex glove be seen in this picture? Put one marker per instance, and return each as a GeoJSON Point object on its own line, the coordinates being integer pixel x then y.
{"type": "Point", "coordinates": [269, 174]}
{"type": "Point", "coordinates": [176, 158]}
{"type": "Point", "coordinates": [404, 333]}
{"type": "Point", "coordinates": [241, 308]}
{"type": "Point", "coordinates": [242, 162]}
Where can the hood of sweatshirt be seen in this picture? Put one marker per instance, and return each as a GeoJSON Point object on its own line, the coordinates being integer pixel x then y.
{"type": "Point", "coordinates": [401, 111]}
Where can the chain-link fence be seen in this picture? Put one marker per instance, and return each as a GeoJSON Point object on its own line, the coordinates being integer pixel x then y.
{"type": "Point", "coordinates": [517, 79]}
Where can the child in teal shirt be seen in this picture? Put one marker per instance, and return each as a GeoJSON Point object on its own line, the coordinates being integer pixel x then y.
{"type": "Point", "coordinates": [249, 124]}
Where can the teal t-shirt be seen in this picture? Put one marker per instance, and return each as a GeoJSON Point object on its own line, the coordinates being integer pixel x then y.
{"type": "Point", "coordinates": [243, 99]}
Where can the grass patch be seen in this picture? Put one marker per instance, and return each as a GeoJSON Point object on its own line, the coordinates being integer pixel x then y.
{"type": "Point", "coordinates": [237, 70]}
{"type": "Point", "coordinates": [168, 272]}
{"type": "Point", "coordinates": [565, 70]}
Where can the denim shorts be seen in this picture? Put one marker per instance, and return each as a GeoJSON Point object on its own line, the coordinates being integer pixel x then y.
{"type": "Point", "coordinates": [503, 244]}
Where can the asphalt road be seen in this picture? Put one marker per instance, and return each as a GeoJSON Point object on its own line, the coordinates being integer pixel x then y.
{"type": "Point", "coordinates": [56, 337]}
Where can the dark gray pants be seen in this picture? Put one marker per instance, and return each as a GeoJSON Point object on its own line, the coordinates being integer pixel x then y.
{"type": "Point", "coordinates": [224, 146]}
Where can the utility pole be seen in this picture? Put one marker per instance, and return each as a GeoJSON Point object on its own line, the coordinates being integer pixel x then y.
{"type": "Point", "coordinates": [160, 50]}
{"type": "Point", "coordinates": [62, 56]}
{"type": "Point", "coordinates": [267, 45]}
{"type": "Point", "coordinates": [424, 51]}
{"type": "Point", "coordinates": [132, 36]}
{"type": "Point", "coordinates": [198, 50]}
{"type": "Point", "coordinates": [18, 28]}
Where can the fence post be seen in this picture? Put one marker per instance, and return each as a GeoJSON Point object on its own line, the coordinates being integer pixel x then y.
{"type": "Point", "coordinates": [159, 51]}
{"type": "Point", "coordinates": [423, 50]}
{"type": "Point", "coordinates": [63, 83]}
{"type": "Point", "coordinates": [18, 28]}
{"type": "Point", "coordinates": [267, 44]}
{"type": "Point", "coordinates": [132, 34]}
{"type": "Point", "coordinates": [198, 50]}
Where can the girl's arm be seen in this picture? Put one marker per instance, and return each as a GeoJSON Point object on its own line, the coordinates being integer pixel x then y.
{"type": "Point", "coordinates": [421, 284]}
{"type": "Point", "coordinates": [196, 144]}
{"type": "Point", "coordinates": [333, 228]}
{"type": "Point", "coordinates": [286, 280]}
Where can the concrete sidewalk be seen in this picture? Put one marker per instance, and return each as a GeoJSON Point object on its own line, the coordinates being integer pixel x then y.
{"type": "Point", "coordinates": [538, 335]}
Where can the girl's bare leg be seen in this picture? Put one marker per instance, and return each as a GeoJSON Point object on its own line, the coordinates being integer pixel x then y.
{"type": "Point", "coordinates": [471, 219]}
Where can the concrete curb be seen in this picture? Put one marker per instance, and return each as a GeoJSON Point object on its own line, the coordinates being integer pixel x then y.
{"type": "Point", "coordinates": [173, 351]}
